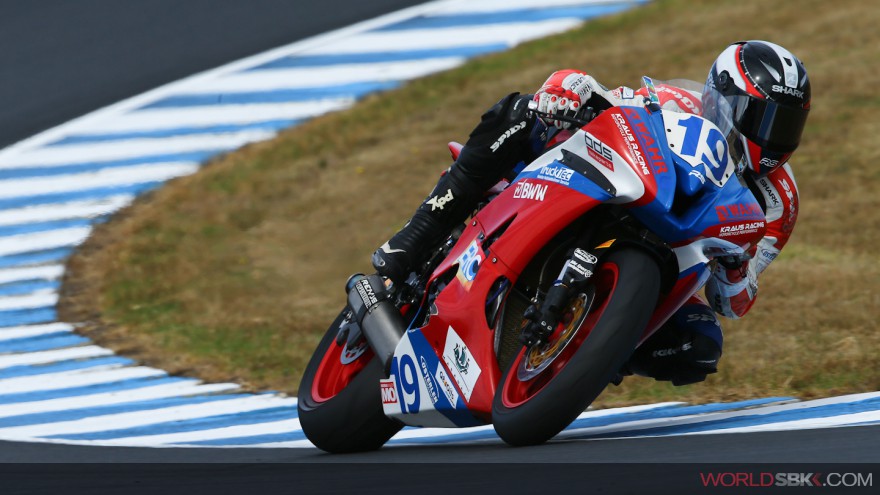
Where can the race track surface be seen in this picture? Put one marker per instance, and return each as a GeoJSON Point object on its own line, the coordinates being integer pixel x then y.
{"type": "Point", "coordinates": [62, 59]}
{"type": "Point", "coordinates": [831, 445]}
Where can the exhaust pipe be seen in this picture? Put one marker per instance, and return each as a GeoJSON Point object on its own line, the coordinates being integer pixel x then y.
{"type": "Point", "coordinates": [379, 319]}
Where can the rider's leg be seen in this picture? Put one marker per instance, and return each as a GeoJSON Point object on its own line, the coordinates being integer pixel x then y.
{"type": "Point", "coordinates": [685, 349]}
{"type": "Point", "coordinates": [497, 144]}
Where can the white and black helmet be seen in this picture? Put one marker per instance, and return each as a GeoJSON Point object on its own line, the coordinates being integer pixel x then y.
{"type": "Point", "coordinates": [758, 94]}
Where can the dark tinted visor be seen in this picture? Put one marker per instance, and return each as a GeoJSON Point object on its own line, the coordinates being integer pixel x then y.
{"type": "Point", "coordinates": [770, 125]}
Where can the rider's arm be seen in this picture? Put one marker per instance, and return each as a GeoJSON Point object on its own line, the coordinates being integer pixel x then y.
{"type": "Point", "coordinates": [732, 290]}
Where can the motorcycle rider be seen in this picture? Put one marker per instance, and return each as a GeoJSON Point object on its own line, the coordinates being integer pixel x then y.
{"type": "Point", "coordinates": [767, 99]}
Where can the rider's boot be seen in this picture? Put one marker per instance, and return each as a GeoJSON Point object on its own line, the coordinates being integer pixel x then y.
{"type": "Point", "coordinates": [496, 145]}
{"type": "Point", "coordinates": [454, 197]}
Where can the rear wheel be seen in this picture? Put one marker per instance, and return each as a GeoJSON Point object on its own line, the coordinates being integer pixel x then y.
{"type": "Point", "coordinates": [340, 405]}
{"type": "Point", "coordinates": [546, 387]}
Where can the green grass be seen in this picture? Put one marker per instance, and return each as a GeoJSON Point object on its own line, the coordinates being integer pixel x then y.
{"type": "Point", "coordinates": [235, 272]}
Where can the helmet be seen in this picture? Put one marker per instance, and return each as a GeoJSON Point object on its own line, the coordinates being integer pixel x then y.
{"type": "Point", "coordinates": [758, 95]}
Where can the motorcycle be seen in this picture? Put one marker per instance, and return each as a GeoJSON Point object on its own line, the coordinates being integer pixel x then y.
{"type": "Point", "coordinates": [527, 312]}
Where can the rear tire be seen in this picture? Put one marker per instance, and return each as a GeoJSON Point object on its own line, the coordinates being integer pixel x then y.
{"type": "Point", "coordinates": [529, 410]}
{"type": "Point", "coordinates": [351, 419]}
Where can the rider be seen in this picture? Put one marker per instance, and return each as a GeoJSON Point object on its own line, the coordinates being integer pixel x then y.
{"type": "Point", "coordinates": [768, 97]}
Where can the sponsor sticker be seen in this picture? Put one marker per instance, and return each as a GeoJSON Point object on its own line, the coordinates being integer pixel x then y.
{"type": "Point", "coordinates": [527, 190]}
{"type": "Point", "coordinates": [429, 380]}
{"type": "Point", "coordinates": [438, 202]}
{"type": "Point", "coordinates": [558, 174]}
{"type": "Point", "coordinates": [389, 391]}
{"type": "Point", "coordinates": [446, 385]}
{"type": "Point", "coordinates": [741, 228]}
{"type": "Point", "coordinates": [599, 152]}
{"type": "Point", "coordinates": [464, 369]}
{"type": "Point", "coordinates": [469, 264]}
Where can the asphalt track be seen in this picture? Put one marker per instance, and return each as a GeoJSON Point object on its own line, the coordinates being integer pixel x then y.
{"type": "Point", "coordinates": [832, 445]}
{"type": "Point", "coordinates": [68, 58]}
{"type": "Point", "coordinates": [61, 59]}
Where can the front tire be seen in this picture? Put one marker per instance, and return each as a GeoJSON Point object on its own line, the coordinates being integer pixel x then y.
{"type": "Point", "coordinates": [340, 405]}
{"type": "Point", "coordinates": [536, 400]}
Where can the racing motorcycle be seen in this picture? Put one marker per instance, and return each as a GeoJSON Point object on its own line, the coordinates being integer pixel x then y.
{"type": "Point", "coordinates": [527, 312]}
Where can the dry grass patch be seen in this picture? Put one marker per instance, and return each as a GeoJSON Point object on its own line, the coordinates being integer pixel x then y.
{"type": "Point", "coordinates": [233, 273]}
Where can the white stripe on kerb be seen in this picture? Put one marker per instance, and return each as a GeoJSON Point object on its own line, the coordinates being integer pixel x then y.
{"type": "Point", "coordinates": [157, 119]}
{"type": "Point", "coordinates": [226, 433]}
{"type": "Point", "coordinates": [48, 272]}
{"type": "Point", "coordinates": [53, 356]}
{"type": "Point", "coordinates": [64, 211]}
{"type": "Point", "coordinates": [800, 424]}
{"type": "Point", "coordinates": [160, 391]}
{"type": "Point", "coordinates": [493, 6]}
{"type": "Point", "coordinates": [303, 78]}
{"type": "Point", "coordinates": [120, 176]}
{"type": "Point", "coordinates": [24, 332]}
{"type": "Point", "coordinates": [426, 39]}
{"type": "Point", "coordinates": [635, 426]}
{"type": "Point", "coordinates": [26, 243]}
{"type": "Point", "coordinates": [41, 299]}
{"type": "Point", "coordinates": [146, 418]}
{"type": "Point", "coordinates": [76, 378]}
{"type": "Point", "coordinates": [117, 150]}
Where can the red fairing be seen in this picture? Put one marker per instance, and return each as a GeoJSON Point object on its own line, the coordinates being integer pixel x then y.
{"type": "Point", "coordinates": [529, 226]}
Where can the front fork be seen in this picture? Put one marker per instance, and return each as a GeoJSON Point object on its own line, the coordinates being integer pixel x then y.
{"type": "Point", "coordinates": [544, 316]}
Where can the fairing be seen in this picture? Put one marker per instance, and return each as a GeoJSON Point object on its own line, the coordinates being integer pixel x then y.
{"type": "Point", "coordinates": [672, 171]}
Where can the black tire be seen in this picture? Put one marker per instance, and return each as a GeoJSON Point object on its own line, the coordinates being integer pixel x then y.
{"type": "Point", "coordinates": [589, 369]}
{"type": "Point", "coordinates": [352, 420]}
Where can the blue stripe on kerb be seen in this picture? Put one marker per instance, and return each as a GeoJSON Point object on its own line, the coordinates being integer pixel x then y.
{"type": "Point", "coordinates": [34, 227]}
{"type": "Point", "coordinates": [182, 426]}
{"type": "Point", "coordinates": [35, 258]}
{"type": "Point", "coordinates": [354, 90]}
{"type": "Point", "coordinates": [42, 343]}
{"type": "Point", "coordinates": [89, 412]}
{"type": "Point", "coordinates": [670, 411]}
{"type": "Point", "coordinates": [295, 61]}
{"type": "Point", "coordinates": [507, 17]}
{"type": "Point", "coordinates": [69, 365]}
{"type": "Point", "coordinates": [85, 194]}
{"type": "Point", "coordinates": [84, 167]}
{"type": "Point", "coordinates": [18, 317]}
{"type": "Point", "coordinates": [100, 388]}
{"type": "Point", "coordinates": [289, 436]}
{"type": "Point", "coordinates": [266, 125]}
{"type": "Point", "coordinates": [27, 287]}
{"type": "Point", "coordinates": [826, 411]}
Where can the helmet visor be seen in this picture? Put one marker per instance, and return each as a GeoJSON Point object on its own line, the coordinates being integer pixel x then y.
{"type": "Point", "coordinates": [773, 127]}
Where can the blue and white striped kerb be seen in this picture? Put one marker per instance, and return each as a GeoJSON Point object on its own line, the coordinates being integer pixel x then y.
{"type": "Point", "coordinates": [57, 386]}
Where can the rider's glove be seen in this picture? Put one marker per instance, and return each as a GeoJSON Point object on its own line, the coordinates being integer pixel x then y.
{"type": "Point", "coordinates": [563, 93]}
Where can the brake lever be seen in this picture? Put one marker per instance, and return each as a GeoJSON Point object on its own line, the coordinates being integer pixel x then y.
{"type": "Point", "coordinates": [587, 111]}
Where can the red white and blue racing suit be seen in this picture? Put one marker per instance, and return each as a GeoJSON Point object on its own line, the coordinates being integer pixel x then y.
{"type": "Point", "coordinates": [689, 344]}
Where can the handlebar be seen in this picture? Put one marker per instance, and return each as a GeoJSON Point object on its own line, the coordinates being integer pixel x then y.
{"type": "Point", "coordinates": [580, 122]}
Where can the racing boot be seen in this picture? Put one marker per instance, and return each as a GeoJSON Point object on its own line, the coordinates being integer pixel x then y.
{"type": "Point", "coordinates": [453, 199]}
{"type": "Point", "coordinates": [500, 141]}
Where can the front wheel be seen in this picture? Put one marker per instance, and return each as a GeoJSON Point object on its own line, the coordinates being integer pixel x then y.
{"type": "Point", "coordinates": [340, 404]}
{"type": "Point", "coordinates": [546, 387]}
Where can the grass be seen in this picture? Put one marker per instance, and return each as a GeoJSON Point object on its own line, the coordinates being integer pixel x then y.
{"type": "Point", "coordinates": [235, 272]}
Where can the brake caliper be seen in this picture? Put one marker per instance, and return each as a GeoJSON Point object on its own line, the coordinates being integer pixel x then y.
{"type": "Point", "coordinates": [543, 319]}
